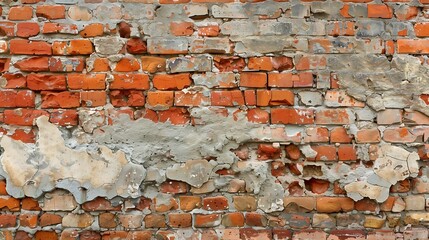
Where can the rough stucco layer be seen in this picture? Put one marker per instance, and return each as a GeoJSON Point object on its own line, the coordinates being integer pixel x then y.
{"type": "Point", "coordinates": [200, 119]}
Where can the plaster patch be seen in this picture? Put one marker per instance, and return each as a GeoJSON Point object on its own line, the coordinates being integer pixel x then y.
{"type": "Point", "coordinates": [32, 169]}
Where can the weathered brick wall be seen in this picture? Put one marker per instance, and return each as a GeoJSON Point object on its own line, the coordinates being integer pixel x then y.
{"type": "Point", "coordinates": [204, 119]}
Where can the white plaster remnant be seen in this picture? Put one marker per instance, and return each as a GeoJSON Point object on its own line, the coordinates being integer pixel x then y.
{"type": "Point", "coordinates": [32, 169]}
{"type": "Point", "coordinates": [392, 165]}
{"type": "Point", "coordinates": [194, 172]}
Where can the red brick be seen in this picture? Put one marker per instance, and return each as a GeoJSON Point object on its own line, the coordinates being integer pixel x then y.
{"type": "Point", "coordinates": [316, 135]}
{"type": "Point", "coordinates": [7, 220]}
{"type": "Point", "coordinates": [175, 116]}
{"type": "Point", "coordinates": [173, 187]}
{"type": "Point", "coordinates": [22, 117]}
{"type": "Point", "coordinates": [180, 220]}
{"type": "Point", "coordinates": [334, 204]}
{"type": "Point", "coordinates": [21, 46]}
{"type": "Point", "coordinates": [255, 219]}
{"type": "Point", "coordinates": [172, 82]}
{"type": "Point", "coordinates": [33, 64]}
{"type": "Point", "coordinates": [12, 98]}
{"type": "Point", "coordinates": [155, 221]}
{"type": "Point", "coordinates": [86, 81]}
{"type": "Point", "coordinates": [325, 153]}
{"type": "Point", "coordinates": [227, 98]}
{"type": "Point", "coordinates": [27, 29]}
{"type": "Point", "coordinates": [46, 82]}
{"type": "Point", "coordinates": [346, 152]}
{"type": "Point", "coordinates": [100, 204]}
{"type": "Point", "coordinates": [413, 46]}
{"type": "Point", "coordinates": [10, 203]}
{"type": "Point", "coordinates": [73, 47]}
{"type": "Point", "coordinates": [250, 233]}
{"type": "Point", "coordinates": [333, 116]}
{"type": "Point", "coordinates": [368, 136]}
{"type": "Point", "coordinates": [270, 63]}
{"type": "Point", "coordinates": [234, 219]}
{"type": "Point", "coordinates": [215, 203]}
{"type": "Point", "coordinates": [274, 97]}
{"type": "Point", "coordinates": [7, 28]}
{"type": "Point", "coordinates": [229, 64]}
{"type": "Point", "coordinates": [251, 79]}
{"type": "Point", "coordinates": [127, 64]}
{"type": "Point", "coordinates": [45, 235]}
{"type": "Point", "coordinates": [51, 28]}
{"type": "Point", "coordinates": [160, 99]}
{"type": "Point", "coordinates": [268, 151]}
{"type": "Point", "coordinates": [292, 116]}
{"type": "Point", "coordinates": [153, 64]}
{"type": "Point", "coordinates": [123, 98]}
{"type": "Point", "coordinates": [28, 220]}
{"type": "Point", "coordinates": [64, 117]}
{"type": "Point", "coordinates": [398, 135]}
{"type": "Point", "coordinates": [181, 28]}
{"type": "Point", "coordinates": [30, 204]}
{"type": "Point", "coordinates": [51, 11]}
{"type": "Point", "coordinates": [206, 220]}
{"type": "Point", "coordinates": [92, 30]}
{"type": "Point", "coordinates": [60, 99]}
{"type": "Point", "coordinates": [136, 46]}
{"type": "Point", "coordinates": [379, 11]}
{"type": "Point", "coordinates": [20, 13]}
{"type": "Point", "coordinates": [310, 62]}
{"type": "Point", "coordinates": [209, 31]}
{"type": "Point", "coordinates": [100, 65]}
{"type": "Point", "coordinates": [107, 220]}
{"type": "Point", "coordinates": [346, 28]}
{"type": "Point", "coordinates": [188, 203]}
{"type": "Point", "coordinates": [190, 99]}
{"type": "Point", "coordinates": [130, 81]}
{"type": "Point", "coordinates": [318, 186]}
{"type": "Point", "coordinates": [93, 98]}
{"type": "Point", "coordinates": [257, 115]}
{"type": "Point", "coordinates": [250, 97]}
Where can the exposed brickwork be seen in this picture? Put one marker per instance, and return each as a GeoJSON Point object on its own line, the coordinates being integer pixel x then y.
{"type": "Point", "coordinates": [324, 86]}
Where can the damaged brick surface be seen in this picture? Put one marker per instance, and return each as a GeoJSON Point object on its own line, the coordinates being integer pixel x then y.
{"type": "Point", "coordinates": [201, 119]}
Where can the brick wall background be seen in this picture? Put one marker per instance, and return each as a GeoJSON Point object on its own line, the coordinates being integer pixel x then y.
{"type": "Point", "coordinates": [204, 119]}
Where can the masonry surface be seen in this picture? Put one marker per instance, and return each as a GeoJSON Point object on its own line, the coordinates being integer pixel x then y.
{"type": "Point", "coordinates": [205, 119]}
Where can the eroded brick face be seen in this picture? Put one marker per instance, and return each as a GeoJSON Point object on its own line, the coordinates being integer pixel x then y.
{"type": "Point", "coordinates": [205, 119]}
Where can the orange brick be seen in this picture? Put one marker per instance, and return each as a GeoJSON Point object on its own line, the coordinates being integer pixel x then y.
{"type": "Point", "coordinates": [86, 81]}
{"type": "Point", "coordinates": [127, 65]}
{"type": "Point", "coordinates": [346, 152]}
{"type": "Point", "coordinates": [413, 46]}
{"type": "Point", "coordinates": [27, 29]}
{"type": "Point", "coordinates": [130, 81]}
{"type": "Point", "coordinates": [189, 99]}
{"type": "Point", "coordinates": [251, 79]}
{"type": "Point", "coordinates": [325, 153]}
{"type": "Point", "coordinates": [60, 99]}
{"type": "Point", "coordinates": [368, 136]}
{"type": "Point", "coordinates": [172, 81]}
{"type": "Point", "coordinates": [160, 99]}
{"type": "Point", "coordinates": [209, 31]}
{"type": "Point", "coordinates": [93, 98]}
{"type": "Point", "coordinates": [227, 98]}
{"type": "Point", "coordinates": [379, 11]}
{"type": "Point", "coordinates": [20, 13]}
{"type": "Point", "coordinates": [92, 30]}
{"type": "Point", "coordinates": [73, 47]}
{"type": "Point", "coordinates": [51, 11]}
{"type": "Point", "coordinates": [21, 46]}
{"type": "Point", "coordinates": [182, 28]}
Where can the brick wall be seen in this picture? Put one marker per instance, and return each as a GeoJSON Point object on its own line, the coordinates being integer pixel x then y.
{"type": "Point", "coordinates": [203, 119]}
